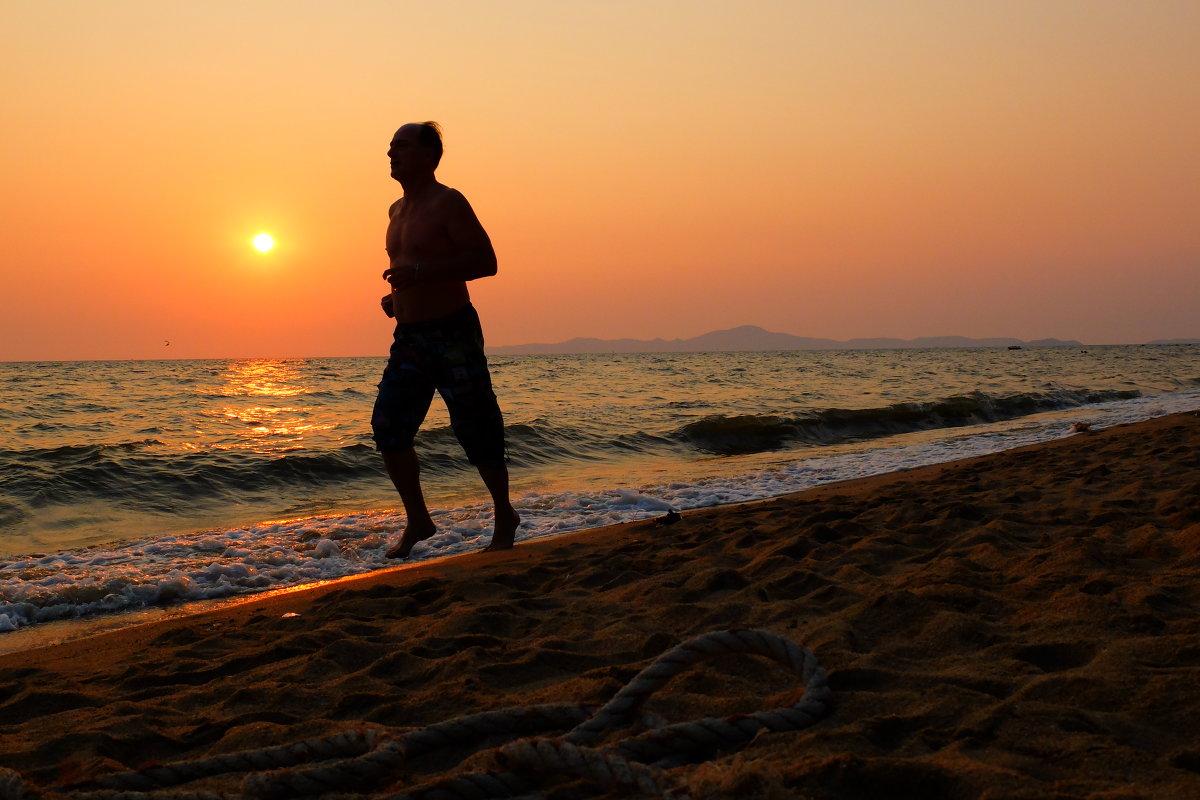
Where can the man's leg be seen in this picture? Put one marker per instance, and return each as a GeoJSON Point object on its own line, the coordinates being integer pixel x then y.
{"type": "Point", "coordinates": [405, 471]}
{"type": "Point", "coordinates": [466, 385]}
{"type": "Point", "coordinates": [403, 400]}
{"type": "Point", "coordinates": [507, 519]}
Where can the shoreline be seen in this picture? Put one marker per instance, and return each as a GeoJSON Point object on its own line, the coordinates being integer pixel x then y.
{"type": "Point", "coordinates": [1017, 624]}
{"type": "Point", "coordinates": [176, 572]}
{"type": "Point", "coordinates": [134, 488]}
{"type": "Point", "coordinates": [55, 632]}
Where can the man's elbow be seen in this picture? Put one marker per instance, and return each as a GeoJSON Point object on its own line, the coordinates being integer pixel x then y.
{"type": "Point", "coordinates": [490, 267]}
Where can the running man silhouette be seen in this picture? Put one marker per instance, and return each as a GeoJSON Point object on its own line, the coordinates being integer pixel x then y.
{"type": "Point", "coordinates": [435, 244]}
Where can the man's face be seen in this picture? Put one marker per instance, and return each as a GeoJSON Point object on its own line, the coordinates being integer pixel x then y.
{"type": "Point", "coordinates": [406, 153]}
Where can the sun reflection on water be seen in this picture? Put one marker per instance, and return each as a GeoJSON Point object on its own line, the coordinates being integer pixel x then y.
{"type": "Point", "coordinates": [262, 426]}
{"type": "Point", "coordinates": [262, 378]}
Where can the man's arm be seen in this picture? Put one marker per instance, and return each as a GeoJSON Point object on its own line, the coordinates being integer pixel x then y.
{"type": "Point", "coordinates": [473, 256]}
{"type": "Point", "coordinates": [385, 302]}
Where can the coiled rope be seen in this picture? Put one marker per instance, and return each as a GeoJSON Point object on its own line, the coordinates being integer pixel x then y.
{"type": "Point", "coordinates": [355, 761]}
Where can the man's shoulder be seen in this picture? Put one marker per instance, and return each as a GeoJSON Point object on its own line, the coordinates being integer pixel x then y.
{"type": "Point", "coordinates": [446, 197]}
{"type": "Point", "coordinates": [450, 194]}
{"type": "Point", "coordinates": [451, 202]}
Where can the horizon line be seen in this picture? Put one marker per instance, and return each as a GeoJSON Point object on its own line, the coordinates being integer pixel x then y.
{"type": "Point", "coordinates": [490, 349]}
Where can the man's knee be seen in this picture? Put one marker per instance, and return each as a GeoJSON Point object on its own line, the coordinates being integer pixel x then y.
{"type": "Point", "coordinates": [481, 435]}
{"type": "Point", "coordinates": [400, 408]}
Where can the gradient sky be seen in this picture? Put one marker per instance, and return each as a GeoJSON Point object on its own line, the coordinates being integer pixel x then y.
{"type": "Point", "coordinates": [656, 168]}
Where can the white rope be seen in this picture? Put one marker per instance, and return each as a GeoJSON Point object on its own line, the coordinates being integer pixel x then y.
{"type": "Point", "coordinates": [355, 761]}
{"type": "Point", "coordinates": [14, 787]}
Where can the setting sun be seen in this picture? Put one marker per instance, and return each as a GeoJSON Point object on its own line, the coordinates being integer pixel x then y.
{"type": "Point", "coordinates": [263, 242]}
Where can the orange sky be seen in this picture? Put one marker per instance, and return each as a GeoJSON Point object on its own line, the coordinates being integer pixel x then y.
{"type": "Point", "coordinates": [1021, 168]}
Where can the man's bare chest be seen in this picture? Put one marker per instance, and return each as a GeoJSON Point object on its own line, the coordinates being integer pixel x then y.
{"type": "Point", "coordinates": [415, 232]}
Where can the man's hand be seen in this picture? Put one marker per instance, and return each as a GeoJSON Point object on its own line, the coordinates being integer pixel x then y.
{"type": "Point", "coordinates": [386, 302]}
{"type": "Point", "coordinates": [402, 276]}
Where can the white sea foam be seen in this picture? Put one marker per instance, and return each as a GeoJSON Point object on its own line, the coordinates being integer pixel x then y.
{"type": "Point", "coordinates": [224, 563]}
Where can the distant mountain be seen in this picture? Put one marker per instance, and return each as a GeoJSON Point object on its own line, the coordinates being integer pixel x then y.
{"type": "Point", "coordinates": [752, 337]}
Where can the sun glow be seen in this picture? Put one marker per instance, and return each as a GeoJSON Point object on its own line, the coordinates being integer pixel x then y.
{"type": "Point", "coordinates": [264, 242]}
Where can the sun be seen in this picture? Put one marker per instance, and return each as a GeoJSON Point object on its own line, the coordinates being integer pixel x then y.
{"type": "Point", "coordinates": [264, 242]}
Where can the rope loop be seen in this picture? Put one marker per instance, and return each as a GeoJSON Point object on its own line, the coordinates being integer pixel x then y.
{"type": "Point", "coordinates": [14, 787]}
{"type": "Point", "coordinates": [709, 646]}
{"type": "Point", "coordinates": [352, 762]}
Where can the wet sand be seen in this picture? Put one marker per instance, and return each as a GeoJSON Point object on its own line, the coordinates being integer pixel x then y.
{"type": "Point", "coordinates": [1022, 625]}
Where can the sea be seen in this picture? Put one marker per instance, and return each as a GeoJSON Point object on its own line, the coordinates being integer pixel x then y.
{"type": "Point", "coordinates": [134, 487]}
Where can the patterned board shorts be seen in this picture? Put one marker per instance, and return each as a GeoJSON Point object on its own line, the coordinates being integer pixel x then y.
{"type": "Point", "coordinates": [446, 355]}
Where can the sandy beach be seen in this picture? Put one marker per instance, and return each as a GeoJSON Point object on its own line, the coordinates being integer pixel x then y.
{"type": "Point", "coordinates": [1022, 625]}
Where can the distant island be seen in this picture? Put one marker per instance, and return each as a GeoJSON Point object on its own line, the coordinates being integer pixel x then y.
{"type": "Point", "coordinates": [752, 337]}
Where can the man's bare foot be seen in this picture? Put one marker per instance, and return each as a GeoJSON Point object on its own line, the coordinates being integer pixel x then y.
{"type": "Point", "coordinates": [414, 532]}
{"type": "Point", "coordinates": [505, 531]}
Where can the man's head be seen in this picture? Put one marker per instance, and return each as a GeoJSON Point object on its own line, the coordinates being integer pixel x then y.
{"type": "Point", "coordinates": [416, 148]}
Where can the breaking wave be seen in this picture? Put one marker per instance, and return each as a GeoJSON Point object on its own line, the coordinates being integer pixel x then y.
{"type": "Point", "coordinates": [753, 433]}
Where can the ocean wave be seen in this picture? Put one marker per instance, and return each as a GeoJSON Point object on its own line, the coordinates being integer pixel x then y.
{"type": "Point", "coordinates": [11, 513]}
{"type": "Point", "coordinates": [531, 443]}
{"type": "Point", "coordinates": [740, 433]}
{"type": "Point", "coordinates": [540, 442]}
{"type": "Point", "coordinates": [752, 433]}
{"type": "Point", "coordinates": [79, 451]}
{"type": "Point", "coordinates": [146, 475]}
{"type": "Point", "coordinates": [294, 394]}
{"type": "Point", "coordinates": [168, 569]}
{"type": "Point", "coordinates": [133, 475]}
